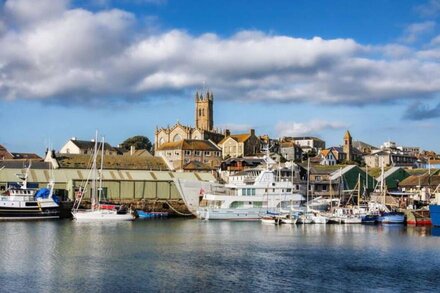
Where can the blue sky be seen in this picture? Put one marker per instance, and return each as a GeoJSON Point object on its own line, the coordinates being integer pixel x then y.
{"type": "Point", "coordinates": [283, 68]}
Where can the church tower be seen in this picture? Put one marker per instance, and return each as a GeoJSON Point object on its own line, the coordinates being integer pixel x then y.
{"type": "Point", "coordinates": [204, 111]}
{"type": "Point", "coordinates": [348, 144]}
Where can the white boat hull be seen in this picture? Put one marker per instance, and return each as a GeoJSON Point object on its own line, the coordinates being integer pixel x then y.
{"type": "Point", "coordinates": [319, 220]}
{"type": "Point", "coordinates": [101, 215]}
{"type": "Point", "coordinates": [352, 220]}
{"type": "Point", "coordinates": [230, 214]}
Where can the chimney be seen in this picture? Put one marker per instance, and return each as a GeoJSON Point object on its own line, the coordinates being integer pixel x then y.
{"type": "Point", "coordinates": [73, 138]}
{"type": "Point", "coordinates": [227, 132]}
{"type": "Point", "coordinates": [252, 131]}
{"type": "Point", "coordinates": [132, 149]}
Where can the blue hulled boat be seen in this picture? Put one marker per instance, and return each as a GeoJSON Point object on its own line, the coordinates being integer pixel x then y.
{"type": "Point", "coordinates": [150, 215]}
{"type": "Point", "coordinates": [392, 218]}
{"type": "Point", "coordinates": [370, 219]}
{"type": "Point", "coordinates": [434, 211]}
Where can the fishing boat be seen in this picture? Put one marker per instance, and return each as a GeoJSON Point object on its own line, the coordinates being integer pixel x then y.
{"type": "Point", "coordinates": [370, 219]}
{"type": "Point", "coordinates": [317, 218]}
{"type": "Point", "coordinates": [392, 218]}
{"type": "Point", "coordinates": [19, 202]}
{"type": "Point", "coordinates": [418, 217]}
{"type": "Point", "coordinates": [98, 211]}
{"type": "Point", "coordinates": [240, 200]}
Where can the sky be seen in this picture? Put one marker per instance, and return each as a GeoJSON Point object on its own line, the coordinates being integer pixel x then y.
{"type": "Point", "coordinates": [284, 68]}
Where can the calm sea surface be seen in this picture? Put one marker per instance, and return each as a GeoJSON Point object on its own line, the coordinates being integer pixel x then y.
{"type": "Point", "coordinates": [191, 255]}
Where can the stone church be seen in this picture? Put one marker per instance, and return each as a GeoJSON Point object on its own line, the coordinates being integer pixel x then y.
{"type": "Point", "coordinates": [204, 124]}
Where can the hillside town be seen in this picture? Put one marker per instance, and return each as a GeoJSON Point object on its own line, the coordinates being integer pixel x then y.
{"type": "Point", "coordinates": [204, 152]}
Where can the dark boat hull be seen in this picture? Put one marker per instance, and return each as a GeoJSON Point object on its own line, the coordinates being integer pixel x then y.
{"type": "Point", "coordinates": [7, 213]}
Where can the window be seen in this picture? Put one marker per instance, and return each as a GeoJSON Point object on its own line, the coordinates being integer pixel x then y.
{"type": "Point", "coordinates": [207, 153]}
{"type": "Point", "coordinates": [187, 153]}
{"type": "Point", "coordinates": [177, 153]}
{"type": "Point", "coordinates": [198, 153]}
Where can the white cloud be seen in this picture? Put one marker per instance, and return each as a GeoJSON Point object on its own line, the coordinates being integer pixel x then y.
{"type": "Point", "coordinates": [429, 9]}
{"type": "Point", "coordinates": [313, 127]}
{"type": "Point", "coordinates": [83, 55]}
{"type": "Point", "coordinates": [415, 30]}
{"type": "Point", "coordinates": [31, 11]}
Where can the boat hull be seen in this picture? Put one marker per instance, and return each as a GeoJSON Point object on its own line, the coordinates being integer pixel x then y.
{"type": "Point", "coordinates": [370, 219]}
{"type": "Point", "coordinates": [232, 215]}
{"type": "Point", "coordinates": [392, 218]}
{"type": "Point", "coordinates": [352, 220]}
{"type": "Point", "coordinates": [101, 215]}
{"type": "Point", "coordinates": [434, 211]}
{"type": "Point", "coordinates": [30, 210]}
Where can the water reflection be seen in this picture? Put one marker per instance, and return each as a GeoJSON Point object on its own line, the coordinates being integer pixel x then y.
{"type": "Point", "coordinates": [192, 255]}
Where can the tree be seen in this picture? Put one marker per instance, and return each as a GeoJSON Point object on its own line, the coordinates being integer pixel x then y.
{"type": "Point", "coordinates": [139, 142]}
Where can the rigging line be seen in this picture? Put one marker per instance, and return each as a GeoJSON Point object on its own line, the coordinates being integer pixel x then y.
{"type": "Point", "coordinates": [176, 211]}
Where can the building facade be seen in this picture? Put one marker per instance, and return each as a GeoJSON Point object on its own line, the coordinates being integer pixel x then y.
{"type": "Point", "coordinates": [240, 145]}
{"type": "Point", "coordinates": [83, 147]}
{"type": "Point", "coordinates": [181, 154]}
{"type": "Point", "coordinates": [204, 124]}
{"type": "Point", "coordinates": [291, 151]}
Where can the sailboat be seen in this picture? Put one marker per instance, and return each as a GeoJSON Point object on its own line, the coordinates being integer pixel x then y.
{"type": "Point", "coordinates": [355, 213]}
{"type": "Point", "coordinates": [98, 211]}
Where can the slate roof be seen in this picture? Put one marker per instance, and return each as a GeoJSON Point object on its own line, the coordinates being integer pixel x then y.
{"type": "Point", "coordinates": [112, 162]}
{"type": "Point", "coordinates": [421, 180]}
{"type": "Point", "coordinates": [22, 164]}
{"type": "Point", "coordinates": [89, 145]}
{"type": "Point", "coordinates": [26, 156]}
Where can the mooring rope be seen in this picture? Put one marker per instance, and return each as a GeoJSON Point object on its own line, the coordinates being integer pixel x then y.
{"type": "Point", "coordinates": [176, 211]}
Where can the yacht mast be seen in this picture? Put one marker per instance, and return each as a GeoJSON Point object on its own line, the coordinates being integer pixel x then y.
{"type": "Point", "coordinates": [308, 182]}
{"type": "Point", "coordinates": [100, 172]}
{"type": "Point", "coordinates": [95, 155]}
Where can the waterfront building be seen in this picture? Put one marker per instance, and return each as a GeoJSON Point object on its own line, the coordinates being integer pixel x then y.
{"type": "Point", "coordinates": [392, 177]}
{"type": "Point", "coordinates": [240, 145]}
{"type": "Point", "coordinates": [190, 154]}
{"type": "Point", "coordinates": [143, 181]}
{"type": "Point", "coordinates": [422, 185]}
{"type": "Point", "coordinates": [375, 159]}
{"type": "Point", "coordinates": [341, 177]}
{"type": "Point", "coordinates": [204, 124]}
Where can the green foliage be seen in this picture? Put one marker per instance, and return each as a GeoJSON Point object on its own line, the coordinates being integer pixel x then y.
{"type": "Point", "coordinates": [139, 142]}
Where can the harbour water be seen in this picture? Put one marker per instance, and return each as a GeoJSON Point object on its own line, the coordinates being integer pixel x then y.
{"type": "Point", "coordinates": [200, 256]}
